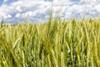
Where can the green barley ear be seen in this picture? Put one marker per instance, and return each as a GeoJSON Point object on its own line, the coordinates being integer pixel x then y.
{"type": "Point", "coordinates": [2, 21]}
{"type": "Point", "coordinates": [57, 43]}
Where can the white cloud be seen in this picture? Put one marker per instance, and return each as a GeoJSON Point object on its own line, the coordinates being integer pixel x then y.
{"type": "Point", "coordinates": [18, 15]}
{"type": "Point", "coordinates": [97, 7]}
{"type": "Point", "coordinates": [89, 1]}
{"type": "Point", "coordinates": [28, 14]}
{"type": "Point", "coordinates": [24, 8]}
{"type": "Point", "coordinates": [41, 8]}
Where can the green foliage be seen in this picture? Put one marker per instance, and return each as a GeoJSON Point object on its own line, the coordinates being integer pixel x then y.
{"type": "Point", "coordinates": [58, 43]}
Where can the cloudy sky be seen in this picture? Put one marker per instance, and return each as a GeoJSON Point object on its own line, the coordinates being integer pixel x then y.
{"type": "Point", "coordinates": [40, 10]}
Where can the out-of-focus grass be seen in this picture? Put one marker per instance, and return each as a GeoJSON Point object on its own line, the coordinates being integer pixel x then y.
{"type": "Point", "coordinates": [57, 43]}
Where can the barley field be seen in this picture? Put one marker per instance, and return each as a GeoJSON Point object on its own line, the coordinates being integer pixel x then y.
{"type": "Point", "coordinates": [56, 43]}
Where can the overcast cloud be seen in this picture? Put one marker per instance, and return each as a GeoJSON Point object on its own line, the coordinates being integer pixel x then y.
{"type": "Point", "coordinates": [38, 10]}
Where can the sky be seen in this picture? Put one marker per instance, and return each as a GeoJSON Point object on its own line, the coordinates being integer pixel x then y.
{"type": "Point", "coordinates": [40, 10]}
